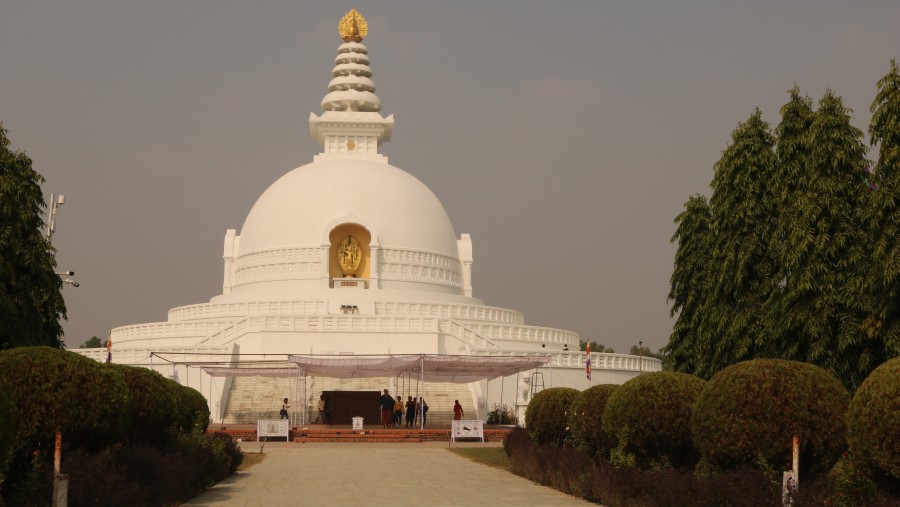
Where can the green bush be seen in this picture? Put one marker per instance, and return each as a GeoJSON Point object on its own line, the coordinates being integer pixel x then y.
{"type": "Point", "coordinates": [191, 410]}
{"type": "Point", "coordinates": [654, 411]}
{"type": "Point", "coordinates": [154, 400]}
{"type": "Point", "coordinates": [586, 421]}
{"type": "Point", "coordinates": [502, 414]}
{"type": "Point", "coordinates": [55, 390]}
{"type": "Point", "coordinates": [749, 412]}
{"type": "Point", "coordinates": [874, 424]}
{"type": "Point", "coordinates": [547, 415]}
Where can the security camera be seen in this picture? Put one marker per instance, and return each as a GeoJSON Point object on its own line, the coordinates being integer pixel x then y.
{"type": "Point", "coordinates": [67, 273]}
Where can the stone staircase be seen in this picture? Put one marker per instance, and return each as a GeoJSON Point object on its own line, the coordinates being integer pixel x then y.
{"type": "Point", "coordinates": [252, 398]}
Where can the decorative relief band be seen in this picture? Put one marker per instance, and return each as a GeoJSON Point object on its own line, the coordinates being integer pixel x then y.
{"type": "Point", "coordinates": [268, 265]}
{"type": "Point", "coordinates": [418, 266]}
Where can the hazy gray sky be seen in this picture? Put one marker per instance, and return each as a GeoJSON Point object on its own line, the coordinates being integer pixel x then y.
{"type": "Point", "coordinates": [564, 137]}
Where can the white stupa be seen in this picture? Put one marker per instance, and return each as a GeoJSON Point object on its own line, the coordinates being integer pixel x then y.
{"type": "Point", "coordinates": [349, 255]}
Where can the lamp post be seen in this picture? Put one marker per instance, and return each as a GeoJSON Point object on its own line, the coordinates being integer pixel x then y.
{"type": "Point", "coordinates": [55, 203]}
{"type": "Point", "coordinates": [640, 356]}
{"type": "Point", "coordinates": [68, 280]}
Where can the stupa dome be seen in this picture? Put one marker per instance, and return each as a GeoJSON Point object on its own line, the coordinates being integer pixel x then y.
{"type": "Point", "coordinates": [398, 210]}
{"type": "Point", "coordinates": [348, 214]}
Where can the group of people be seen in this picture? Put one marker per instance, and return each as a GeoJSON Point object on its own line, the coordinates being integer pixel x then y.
{"type": "Point", "coordinates": [324, 416]}
{"type": "Point", "coordinates": [392, 411]}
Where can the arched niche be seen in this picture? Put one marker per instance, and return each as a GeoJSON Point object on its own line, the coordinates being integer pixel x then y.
{"type": "Point", "coordinates": [336, 236]}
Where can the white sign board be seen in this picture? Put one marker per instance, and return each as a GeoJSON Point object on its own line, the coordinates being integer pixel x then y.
{"type": "Point", "coordinates": [272, 428]}
{"type": "Point", "coordinates": [357, 423]}
{"type": "Point", "coordinates": [467, 429]}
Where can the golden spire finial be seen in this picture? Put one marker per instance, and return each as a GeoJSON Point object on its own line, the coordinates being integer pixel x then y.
{"type": "Point", "coordinates": [353, 27]}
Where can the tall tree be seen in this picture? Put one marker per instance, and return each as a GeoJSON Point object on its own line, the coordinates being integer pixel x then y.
{"type": "Point", "coordinates": [792, 151]}
{"type": "Point", "coordinates": [742, 272]}
{"type": "Point", "coordinates": [31, 301]}
{"type": "Point", "coordinates": [884, 323]}
{"type": "Point", "coordinates": [824, 248]}
{"type": "Point", "coordinates": [690, 338]}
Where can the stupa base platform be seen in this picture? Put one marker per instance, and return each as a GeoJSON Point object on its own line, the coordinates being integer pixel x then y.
{"type": "Point", "coordinates": [338, 433]}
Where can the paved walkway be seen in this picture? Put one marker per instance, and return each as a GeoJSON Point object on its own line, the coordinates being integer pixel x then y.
{"type": "Point", "coordinates": [337, 475]}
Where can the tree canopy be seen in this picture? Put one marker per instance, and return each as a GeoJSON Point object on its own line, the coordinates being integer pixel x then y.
{"type": "Point", "coordinates": [795, 255]}
{"type": "Point", "coordinates": [31, 301]}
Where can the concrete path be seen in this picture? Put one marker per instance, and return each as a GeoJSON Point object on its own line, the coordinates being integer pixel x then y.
{"type": "Point", "coordinates": [394, 475]}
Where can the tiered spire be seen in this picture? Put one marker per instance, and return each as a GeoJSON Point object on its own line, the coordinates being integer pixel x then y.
{"type": "Point", "coordinates": [352, 88]}
{"type": "Point", "coordinates": [351, 124]}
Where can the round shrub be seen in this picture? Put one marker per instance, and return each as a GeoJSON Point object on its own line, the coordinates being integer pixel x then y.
{"type": "Point", "coordinates": [874, 422]}
{"type": "Point", "coordinates": [547, 415]}
{"type": "Point", "coordinates": [749, 412]}
{"type": "Point", "coordinates": [191, 410]}
{"type": "Point", "coordinates": [55, 390]}
{"type": "Point", "coordinates": [154, 403]}
{"type": "Point", "coordinates": [585, 420]}
{"type": "Point", "coordinates": [650, 417]}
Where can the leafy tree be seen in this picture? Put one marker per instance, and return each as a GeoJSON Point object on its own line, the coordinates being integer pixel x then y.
{"type": "Point", "coordinates": [884, 322]}
{"type": "Point", "coordinates": [781, 262]}
{"type": "Point", "coordinates": [825, 252]}
{"type": "Point", "coordinates": [92, 343]}
{"type": "Point", "coordinates": [31, 301]}
{"type": "Point", "coordinates": [792, 150]}
{"type": "Point", "coordinates": [742, 275]}
{"type": "Point", "coordinates": [596, 347]}
{"type": "Point", "coordinates": [688, 294]}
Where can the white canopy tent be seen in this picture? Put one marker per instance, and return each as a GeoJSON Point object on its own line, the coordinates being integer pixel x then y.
{"type": "Point", "coordinates": [427, 368]}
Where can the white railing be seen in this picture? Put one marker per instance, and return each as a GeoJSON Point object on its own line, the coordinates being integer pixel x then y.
{"type": "Point", "coordinates": [576, 359]}
{"type": "Point", "coordinates": [462, 312]}
{"type": "Point", "coordinates": [243, 309]}
{"type": "Point", "coordinates": [167, 330]}
{"type": "Point", "coordinates": [142, 356]}
{"type": "Point", "coordinates": [336, 323]}
{"type": "Point", "coordinates": [466, 335]}
{"type": "Point", "coordinates": [524, 333]}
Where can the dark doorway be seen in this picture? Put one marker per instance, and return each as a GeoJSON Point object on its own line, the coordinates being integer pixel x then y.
{"type": "Point", "coordinates": [348, 404]}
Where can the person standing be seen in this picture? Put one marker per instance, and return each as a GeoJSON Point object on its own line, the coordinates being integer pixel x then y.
{"type": "Point", "coordinates": [326, 410]}
{"type": "Point", "coordinates": [387, 409]}
{"type": "Point", "coordinates": [424, 408]}
{"type": "Point", "coordinates": [284, 407]}
{"type": "Point", "coordinates": [410, 412]}
{"type": "Point", "coordinates": [457, 411]}
{"type": "Point", "coordinates": [321, 406]}
{"type": "Point", "coordinates": [398, 412]}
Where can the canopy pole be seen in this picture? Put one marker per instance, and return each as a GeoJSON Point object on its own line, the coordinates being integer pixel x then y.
{"type": "Point", "coordinates": [209, 389]}
{"type": "Point", "coordinates": [487, 390]}
{"type": "Point", "coordinates": [499, 416]}
{"type": "Point", "coordinates": [422, 397]}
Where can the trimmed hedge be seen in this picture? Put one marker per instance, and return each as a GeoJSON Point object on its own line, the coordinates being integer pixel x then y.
{"type": "Point", "coordinates": [154, 399]}
{"type": "Point", "coordinates": [650, 417]}
{"type": "Point", "coordinates": [55, 390]}
{"type": "Point", "coordinates": [749, 412]}
{"type": "Point", "coordinates": [191, 410]}
{"type": "Point", "coordinates": [874, 423]}
{"type": "Point", "coordinates": [585, 421]}
{"type": "Point", "coordinates": [547, 415]}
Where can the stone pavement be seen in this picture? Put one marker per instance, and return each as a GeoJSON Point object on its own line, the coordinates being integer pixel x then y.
{"type": "Point", "coordinates": [395, 475]}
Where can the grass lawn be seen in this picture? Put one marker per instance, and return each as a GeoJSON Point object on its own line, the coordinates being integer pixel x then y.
{"type": "Point", "coordinates": [490, 456]}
